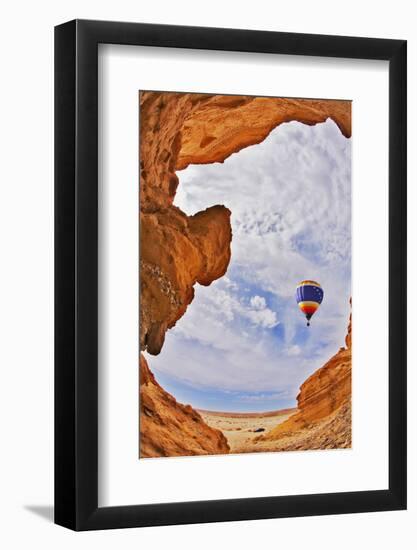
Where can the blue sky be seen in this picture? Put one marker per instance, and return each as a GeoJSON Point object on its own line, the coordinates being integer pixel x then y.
{"type": "Point", "coordinates": [243, 345]}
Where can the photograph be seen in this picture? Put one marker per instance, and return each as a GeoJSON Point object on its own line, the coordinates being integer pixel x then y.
{"type": "Point", "coordinates": [208, 234]}
{"type": "Point", "coordinates": [245, 299]}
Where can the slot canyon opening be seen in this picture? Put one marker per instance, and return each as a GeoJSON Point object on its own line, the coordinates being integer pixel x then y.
{"type": "Point", "coordinates": [236, 342]}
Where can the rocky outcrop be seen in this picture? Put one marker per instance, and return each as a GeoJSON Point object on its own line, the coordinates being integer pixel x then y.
{"type": "Point", "coordinates": [222, 125]}
{"type": "Point", "coordinates": [324, 401]}
{"type": "Point", "coordinates": [176, 252]}
{"type": "Point", "coordinates": [168, 428]}
{"type": "Point", "coordinates": [180, 129]}
{"type": "Point", "coordinates": [331, 432]}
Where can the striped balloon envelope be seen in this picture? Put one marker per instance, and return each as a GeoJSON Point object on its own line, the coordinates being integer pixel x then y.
{"type": "Point", "coordinates": [309, 297]}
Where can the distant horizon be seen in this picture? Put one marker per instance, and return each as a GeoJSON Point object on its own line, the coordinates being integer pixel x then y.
{"type": "Point", "coordinates": [188, 395]}
{"type": "Point", "coordinates": [243, 345]}
{"type": "Point", "coordinates": [248, 414]}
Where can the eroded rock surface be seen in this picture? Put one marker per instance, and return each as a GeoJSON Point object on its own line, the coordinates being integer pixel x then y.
{"type": "Point", "coordinates": [181, 129]}
{"type": "Point", "coordinates": [221, 125]}
{"type": "Point", "coordinates": [178, 251]}
{"type": "Point", "coordinates": [168, 428]}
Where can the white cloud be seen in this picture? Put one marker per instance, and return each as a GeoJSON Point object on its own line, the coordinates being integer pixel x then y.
{"type": "Point", "coordinates": [258, 302]}
{"type": "Point", "coordinates": [294, 350]}
{"type": "Point", "coordinates": [265, 317]}
{"type": "Point", "coordinates": [222, 304]}
{"type": "Point", "coordinates": [229, 284]}
{"type": "Point", "coordinates": [263, 396]}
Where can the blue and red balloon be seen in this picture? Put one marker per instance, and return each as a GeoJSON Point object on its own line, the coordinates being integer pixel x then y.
{"type": "Point", "coordinates": [309, 297]}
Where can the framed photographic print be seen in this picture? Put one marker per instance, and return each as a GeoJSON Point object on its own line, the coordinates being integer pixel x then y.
{"type": "Point", "coordinates": [230, 275]}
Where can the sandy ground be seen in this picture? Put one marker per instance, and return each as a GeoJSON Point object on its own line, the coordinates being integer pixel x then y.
{"type": "Point", "coordinates": [240, 429]}
{"type": "Point", "coordinates": [332, 432]}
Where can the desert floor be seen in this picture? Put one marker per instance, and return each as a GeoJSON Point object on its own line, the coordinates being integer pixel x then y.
{"type": "Point", "coordinates": [241, 429]}
{"type": "Point", "coordinates": [244, 432]}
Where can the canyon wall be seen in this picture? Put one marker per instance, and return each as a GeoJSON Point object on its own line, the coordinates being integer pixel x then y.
{"type": "Point", "coordinates": [177, 251]}
{"type": "Point", "coordinates": [181, 129]}
{"type": "Point", "coordinates": [222, 125]}
{"type": "Point", "coordinates": [168, 428]}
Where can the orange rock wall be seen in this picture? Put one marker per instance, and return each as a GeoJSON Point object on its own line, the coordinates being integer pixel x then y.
{"type": "Point", "coordinates": [221, 125]}
{"type": "Point", "coordinates": [176, 252]}
{"type": "Point", "coordinates": [168, 428]}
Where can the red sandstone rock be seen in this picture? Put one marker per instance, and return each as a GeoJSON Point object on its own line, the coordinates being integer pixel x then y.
{"type": "Point", "coordinates": [176, 252]}
{"type": "Point", "coordinates": [179, 129]}
{"type": "Point", "coordinates": [221, 125]}
{"type": "Point", "coordinates": [168, 428]}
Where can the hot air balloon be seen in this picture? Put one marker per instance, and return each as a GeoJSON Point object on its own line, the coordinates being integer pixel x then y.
{"type": "Point", "coordinates": [309, 296]}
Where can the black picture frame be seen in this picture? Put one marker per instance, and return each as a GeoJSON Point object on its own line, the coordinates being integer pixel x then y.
{"type": "Point", "coordinates": [76, 271]}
